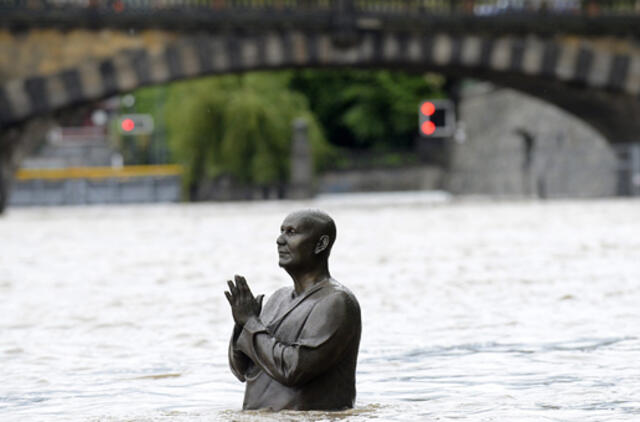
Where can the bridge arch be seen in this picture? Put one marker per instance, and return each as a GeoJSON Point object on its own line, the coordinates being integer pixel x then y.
{"type": "Point", "coordinates": [595, 78]}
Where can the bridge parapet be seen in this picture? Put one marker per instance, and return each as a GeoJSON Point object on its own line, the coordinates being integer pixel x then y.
{"type": "Point", "coordinates": [339, 33]}
{"type": "Point", "coordinates": [542, 17]}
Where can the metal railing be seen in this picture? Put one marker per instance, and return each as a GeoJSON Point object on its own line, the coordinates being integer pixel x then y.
{"type": "Point", "coordinates": [203, 13]}
{"type": "Point", "coordinates": [440, 7]}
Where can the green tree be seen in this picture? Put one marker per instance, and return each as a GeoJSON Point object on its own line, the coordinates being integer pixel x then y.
{"type": "Point", "coordinates": [368, 108]}
{"type": "Point", "coordinates": [238, 124]}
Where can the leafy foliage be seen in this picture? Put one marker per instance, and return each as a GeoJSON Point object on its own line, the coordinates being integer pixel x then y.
{"type": "Point", "coordinates": [238, 124]}
{"type": "Point", "coordinates": [242, 124]}
{"type": "Point", "coordinates": [368, 109]}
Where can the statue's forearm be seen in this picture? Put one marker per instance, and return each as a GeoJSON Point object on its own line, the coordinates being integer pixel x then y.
{"type": "Point", "coordinates": [238, 361]}
{"type": "Point", "coordinates": [288, 364]}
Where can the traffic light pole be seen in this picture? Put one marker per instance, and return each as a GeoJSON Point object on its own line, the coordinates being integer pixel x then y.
{"type": "Point", "coordinates": [6, 167]}
{"type": "Point", "coordinates": [301, 179]}
{"type": "Point", "coordinates": [4, 186]}
{"type": "Point", "coordinates": [635, 169]}
{"type": "Point", "coordinates": [437, 120]}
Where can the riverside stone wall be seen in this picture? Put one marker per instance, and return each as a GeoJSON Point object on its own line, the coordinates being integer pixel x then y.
{"type": "Point", "coordinates": [380, 180]}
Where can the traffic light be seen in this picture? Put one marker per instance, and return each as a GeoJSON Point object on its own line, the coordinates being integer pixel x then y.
{"type": "Point", "coordinates": [135, 124]}
{"type": "Point", "coordinates": [436, 118]}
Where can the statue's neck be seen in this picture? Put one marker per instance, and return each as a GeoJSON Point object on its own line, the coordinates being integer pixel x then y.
{"type": "Point", "coordinates": [305, 279]}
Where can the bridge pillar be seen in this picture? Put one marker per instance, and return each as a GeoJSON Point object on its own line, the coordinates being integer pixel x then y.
{"type": "Point", "coordinates": [15, 144]}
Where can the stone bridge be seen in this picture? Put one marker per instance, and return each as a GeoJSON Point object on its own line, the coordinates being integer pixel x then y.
{"type": "Point", "coordinates": [583, 56]}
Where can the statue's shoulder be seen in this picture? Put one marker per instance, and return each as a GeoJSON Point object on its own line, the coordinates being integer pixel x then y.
{"type": "Point", "coordinates": [340, 303]}
{"type": "Point", "coordinates": [339, 292]}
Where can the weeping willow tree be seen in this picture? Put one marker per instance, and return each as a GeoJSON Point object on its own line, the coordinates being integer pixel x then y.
{"type": "Point", "coordinates": [239, 125]}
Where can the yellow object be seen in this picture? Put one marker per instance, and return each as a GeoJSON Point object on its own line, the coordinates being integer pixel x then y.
{"type": "Point", "coordinates": [99, 172]}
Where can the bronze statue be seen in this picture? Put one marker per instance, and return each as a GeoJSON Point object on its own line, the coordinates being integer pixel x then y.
{"type": "Point", "coordinates": [299, 351]}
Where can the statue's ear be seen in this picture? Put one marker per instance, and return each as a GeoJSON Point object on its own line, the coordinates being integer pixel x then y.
{"type": "Point", "coordinates": [322, 244]}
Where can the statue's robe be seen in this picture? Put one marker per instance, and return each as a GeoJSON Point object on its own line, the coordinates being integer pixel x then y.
{"type": "Point", "coordinates": [301, 353]}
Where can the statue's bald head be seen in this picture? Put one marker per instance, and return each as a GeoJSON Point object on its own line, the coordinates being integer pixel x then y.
{"type": "Point", "coordinates": [321, 224]}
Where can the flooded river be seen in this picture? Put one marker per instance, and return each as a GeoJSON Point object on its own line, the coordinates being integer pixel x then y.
{"type": "Point", "coordinates": [472, 311]}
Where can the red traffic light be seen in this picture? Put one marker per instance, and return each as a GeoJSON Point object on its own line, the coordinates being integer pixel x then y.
{"type": "Point", "coordinates": [128, 125]}
{"type": "Point", "coordinates": [135, 124]}
{"type": "Point", "coordinates": [427, 108]}
{"type": "Point", "coordinates": [428, 128]}
{"type": "Point", "coordinates": [436, 118]}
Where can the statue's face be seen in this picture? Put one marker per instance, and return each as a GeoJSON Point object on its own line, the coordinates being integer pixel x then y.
{"type": "Point", "coordinates": [297, 241]}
